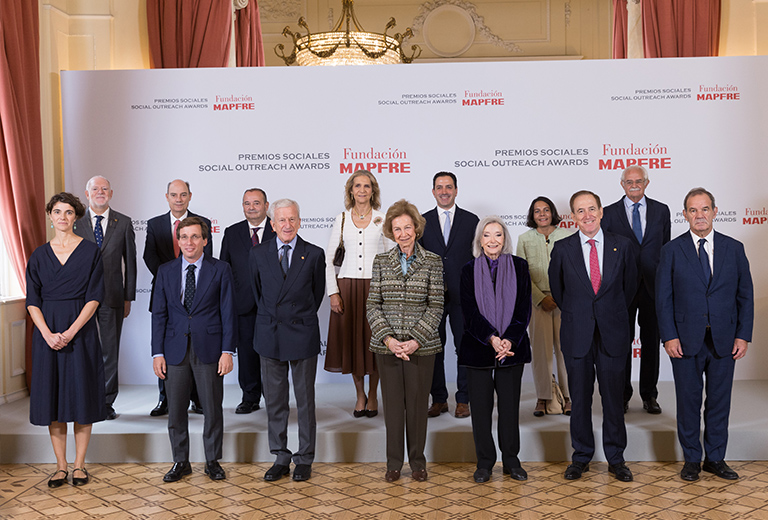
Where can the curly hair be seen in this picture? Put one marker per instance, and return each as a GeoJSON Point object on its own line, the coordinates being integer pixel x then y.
{"type": "Point", "coordinates": [69, 199]}
{"type": "Point", "coordinates": [398, 209]}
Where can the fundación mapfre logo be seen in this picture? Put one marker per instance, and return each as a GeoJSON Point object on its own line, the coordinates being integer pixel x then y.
{"type": "Point", "coordinates": [718, 92]}
{"type": "Point", "coordinates": [618, 156]}
{"type": "Point", "coordinates": [233, 102]}
{"type": "Point", "coordinates": [753, 216]}
{"type": "Point", "coordinates": [482, 98]}
{"type": "Point", "coordinates": [375, 160]}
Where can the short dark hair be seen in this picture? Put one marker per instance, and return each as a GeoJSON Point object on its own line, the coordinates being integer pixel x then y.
{"type": "Point", "coordinates": [193, 221]}
{"type": "Point", "coordinates": [398, 209]}
{"type": "Point", "coordinates": [444, 174]}
{"type": "Point", "coordinates": [531, 223]}
{"type": "Point", "coordinates": [264, 193]}
{"type": "Point", "coordinates": [66, 198]}
{"type": "Point", "coordinates": [698, 191]}
{"type": "Point", "coordinates": [585, 192]}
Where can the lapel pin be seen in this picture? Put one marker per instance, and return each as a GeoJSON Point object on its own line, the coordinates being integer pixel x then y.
{"type": "Point", "coordinates": [302, 258]}
{"type": "Point", "coordinates": [614, 249]}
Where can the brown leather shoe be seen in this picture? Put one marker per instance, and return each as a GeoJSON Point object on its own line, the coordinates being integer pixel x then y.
{"type": "Point", "coordinates": [541, 408]}
{"type": "Point", "coordinates": [420, 475]}
{"type": "Point", "coordinates": [462, 410]}
{"type": "Point", "coordinates": [436, 409]}
{"type": "Point", "coordinates": [392, 475]}
{"type": "Point", "coordinates": [567, 406]}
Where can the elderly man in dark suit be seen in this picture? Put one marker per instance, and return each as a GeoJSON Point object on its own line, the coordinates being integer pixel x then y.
{"type": "Point", "coordinates": [288, 280]}
{"type": "Point", "coordinates": [593, 277]}
{"type": "Point", "coordinates": [646, 223]}
{"type": "Point", "coordinates": [113, 233]}
{"type": "Point", "coordinates": [705, 306]}
{"type": "Point", "coordinates": [193, 338]}
{"type": "Point", "coordinates": [238, 241]}
{"type": "Point", "coordinates": [160, 247]}
{"type": "Point", "coordinates": [449, 233]}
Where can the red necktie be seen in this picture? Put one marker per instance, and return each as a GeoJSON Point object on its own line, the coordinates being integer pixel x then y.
{"type": "Point", "coordinates": [175, 240]}
{"type": "Point", "coordinates": [255, 237]}
{"type": "Point", "coordinates": [594, 266]}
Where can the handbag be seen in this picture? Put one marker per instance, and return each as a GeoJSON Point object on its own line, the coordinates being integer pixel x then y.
{"type": "Point", "coordinates": [556, 405]}
{"type": "Point", "coordinates": [338, 256]}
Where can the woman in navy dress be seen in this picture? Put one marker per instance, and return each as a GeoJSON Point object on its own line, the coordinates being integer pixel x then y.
{"type": "Point", "coordinates": [64, 287]}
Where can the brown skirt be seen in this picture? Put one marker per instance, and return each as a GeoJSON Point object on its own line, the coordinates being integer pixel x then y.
{"type": "Point", "coordinates": [349, 334]}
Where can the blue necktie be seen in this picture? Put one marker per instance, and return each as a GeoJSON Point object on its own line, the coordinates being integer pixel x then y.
{"type": "Point", "coordinates": [704, 260]}
{"type": "Point", "coordinates": [189, 288]}
{"type": "Point", "coordinates": [637, 226]}
{"type": "Point", "coordinates": [284, 259]}
{"type": "Point", "coordinates": [447, 228]}
{"type": "Point", "coordinates": [97, 231]}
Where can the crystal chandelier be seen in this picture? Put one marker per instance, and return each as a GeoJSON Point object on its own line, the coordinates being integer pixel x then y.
{"type": "Point", "coordinates": [347, 44]}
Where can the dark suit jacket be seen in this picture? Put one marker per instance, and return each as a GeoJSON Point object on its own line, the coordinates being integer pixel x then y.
{"type": "Point", "coordinates": [476, 351]}
{"type": "Point", "coordinates": [685, 302]}
{"type": "Point", "coordinates": [158, 248]}
{"type": "Point", "coordinates": [118, 254]}
{"type": "Point", "coordinates": [456, 253]}
{"type": "Point", "coordinates": [581, 308]}
{"type": "Point", "coordinates": [657, 233]}
{"type": "Point", "coordinates": [212, 322]}
{"type": "Point", "coordinates": [287, 325]}
{"type": "Point", "coordinates": [235, 248]}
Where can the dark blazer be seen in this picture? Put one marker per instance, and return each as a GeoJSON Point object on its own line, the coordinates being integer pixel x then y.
{"type": "Point", "coordinates": [581, 308]}
{"type": "Point", "coordinates": [235, 248]}
{"type": "Point", "coordinates": [287, 327]}
{"type": "Point", "coordinates": [685, 302]}
{"type": "Point", "coordinates": [212, 322]}
{"type": "Point", "coordinates": [657, 233]}
{"type": "Point", "coordinates": [456, 253]}
{"type": "Point", "coordinates": [476, 351]}
{"type": "Point", "coordinates": [118, 254]}
{"type": "Point", "coordinates": [158, 248]}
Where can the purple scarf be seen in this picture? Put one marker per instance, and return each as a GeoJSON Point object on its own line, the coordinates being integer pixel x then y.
{"type": "Point", "coordinates": [496, 306]}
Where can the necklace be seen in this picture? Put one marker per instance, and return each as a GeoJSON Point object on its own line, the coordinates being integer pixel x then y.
{"type": "Point", "coordinates": [364, 214]}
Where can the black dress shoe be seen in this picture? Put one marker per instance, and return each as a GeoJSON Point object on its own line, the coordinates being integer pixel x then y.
{"type": "Point", "coordinates": [720, 468]}
{"type": "Point", "coordinates": [690, 471]}
{"type": "Point", "coordinates": [214, 470]}
{"type": "Point", "coordinates": [575, 469]}
{"type": "Point", "coordinates": [160, 409]}
{"type": "Point", "coordinates": [80, 481]}
{"type": "Point", "coordinates": [302, 472]}
{"type": "Point", "coordinates": [651, 406]}
{"type": "Point", "coordinates": [626, 406]}
{"type": "Point", "coordinates": [276, 472]}
{"type": "Point", "coordinates": [247, 407]}
{"type": "Point", "coordinates": [111, 415]}
{"type": "Point", "coordinates": [516, 473]}
{"type": "Point", "coordinates": [178, 470]}
{"type": "Point", "coordinates": [482, 475]}
{"type": "Point", "coordinates": [196, 408]}
{"type": "Point", "coordinates": [621, 472]}
{"type": "Point", "coordinates": [58, 482]}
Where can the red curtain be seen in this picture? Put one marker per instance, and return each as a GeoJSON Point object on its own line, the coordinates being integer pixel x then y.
{"type": "Point", "coordinates": [671, 28]}
{"type": "Point", "coordinates": [249, 46]}
{"type": "Point", "coordinates": [22, 193]}
{"type": "Point", "coordinates": [189, 33]}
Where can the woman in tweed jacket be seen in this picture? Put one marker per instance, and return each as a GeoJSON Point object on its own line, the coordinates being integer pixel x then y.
{"type": "Point", "coordinates": [405, 306]}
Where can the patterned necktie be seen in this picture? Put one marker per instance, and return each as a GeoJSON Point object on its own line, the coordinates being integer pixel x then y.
{"type": "Point", "coordinates": [594, 266]}
{"type": "Point", "coordinates": [284, 259]}
{"type": "Point", "coordinates": [704, 260]}
{"type": "Point", "coordinates": [637, 226]}
{"type": "Point", "coordinates": [189, 288]}
{"type": "Point", "coordinates": [447, 228]}
{"type": "Point", "coordinates": [175, 240]}
{"type": "Point", "coordinates": [97, 231]}
{"type": "Point", "coordinates": [255, 236]}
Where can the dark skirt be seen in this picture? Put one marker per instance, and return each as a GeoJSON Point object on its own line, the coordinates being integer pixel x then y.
{"type": "Point", "coordinates": [349, 334]}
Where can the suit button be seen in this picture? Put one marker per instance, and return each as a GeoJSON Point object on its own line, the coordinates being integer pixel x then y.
{"type": "Point", "coordinates": [279, 322]}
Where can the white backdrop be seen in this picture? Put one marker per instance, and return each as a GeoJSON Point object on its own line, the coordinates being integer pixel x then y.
{"type": "Point", "coordinates": [510, 132]}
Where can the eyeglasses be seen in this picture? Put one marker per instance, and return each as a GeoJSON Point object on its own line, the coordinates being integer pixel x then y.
{"type": "Point", "coordinates": [631, 182]}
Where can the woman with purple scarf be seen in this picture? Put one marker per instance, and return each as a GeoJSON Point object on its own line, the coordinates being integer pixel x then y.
{"type": "Point", "coordinates": [496, 302]}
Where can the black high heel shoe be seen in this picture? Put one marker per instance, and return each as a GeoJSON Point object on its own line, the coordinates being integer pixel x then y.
{"type": "Point", "coordinates": [80, 481]}
{"type": "Point", "coordinates": [58, 482]}
{"type": "Point", "coordinates": [360, 413]}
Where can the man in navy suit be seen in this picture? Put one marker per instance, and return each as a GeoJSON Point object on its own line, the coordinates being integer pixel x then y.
{"type": "Point", "coordinates": [593, 277]}
{"type": "Point", "coordinates": [193, 338]}
{"type": "Point", "coordinates": [646, 223]}
{"type": "Point", "coordinates": [705, 307]}
{"type": "Point", "coordinates": [288, 280]}
{"type": "Point", "coordinates": [238, 241]}
{"type": "Point", "coordinates": [160, 247]}
{"type": "Point", "coordinates": [449, 233]}
{"type": "Point", "coordinates": [113, 233]}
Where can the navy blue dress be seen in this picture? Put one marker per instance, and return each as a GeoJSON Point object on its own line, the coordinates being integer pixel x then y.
{"type": "Point", "coordinates": [68, 384]}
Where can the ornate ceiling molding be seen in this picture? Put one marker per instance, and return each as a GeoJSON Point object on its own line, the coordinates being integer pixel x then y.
{"type": "Point", "coordinates": [280, 10]}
